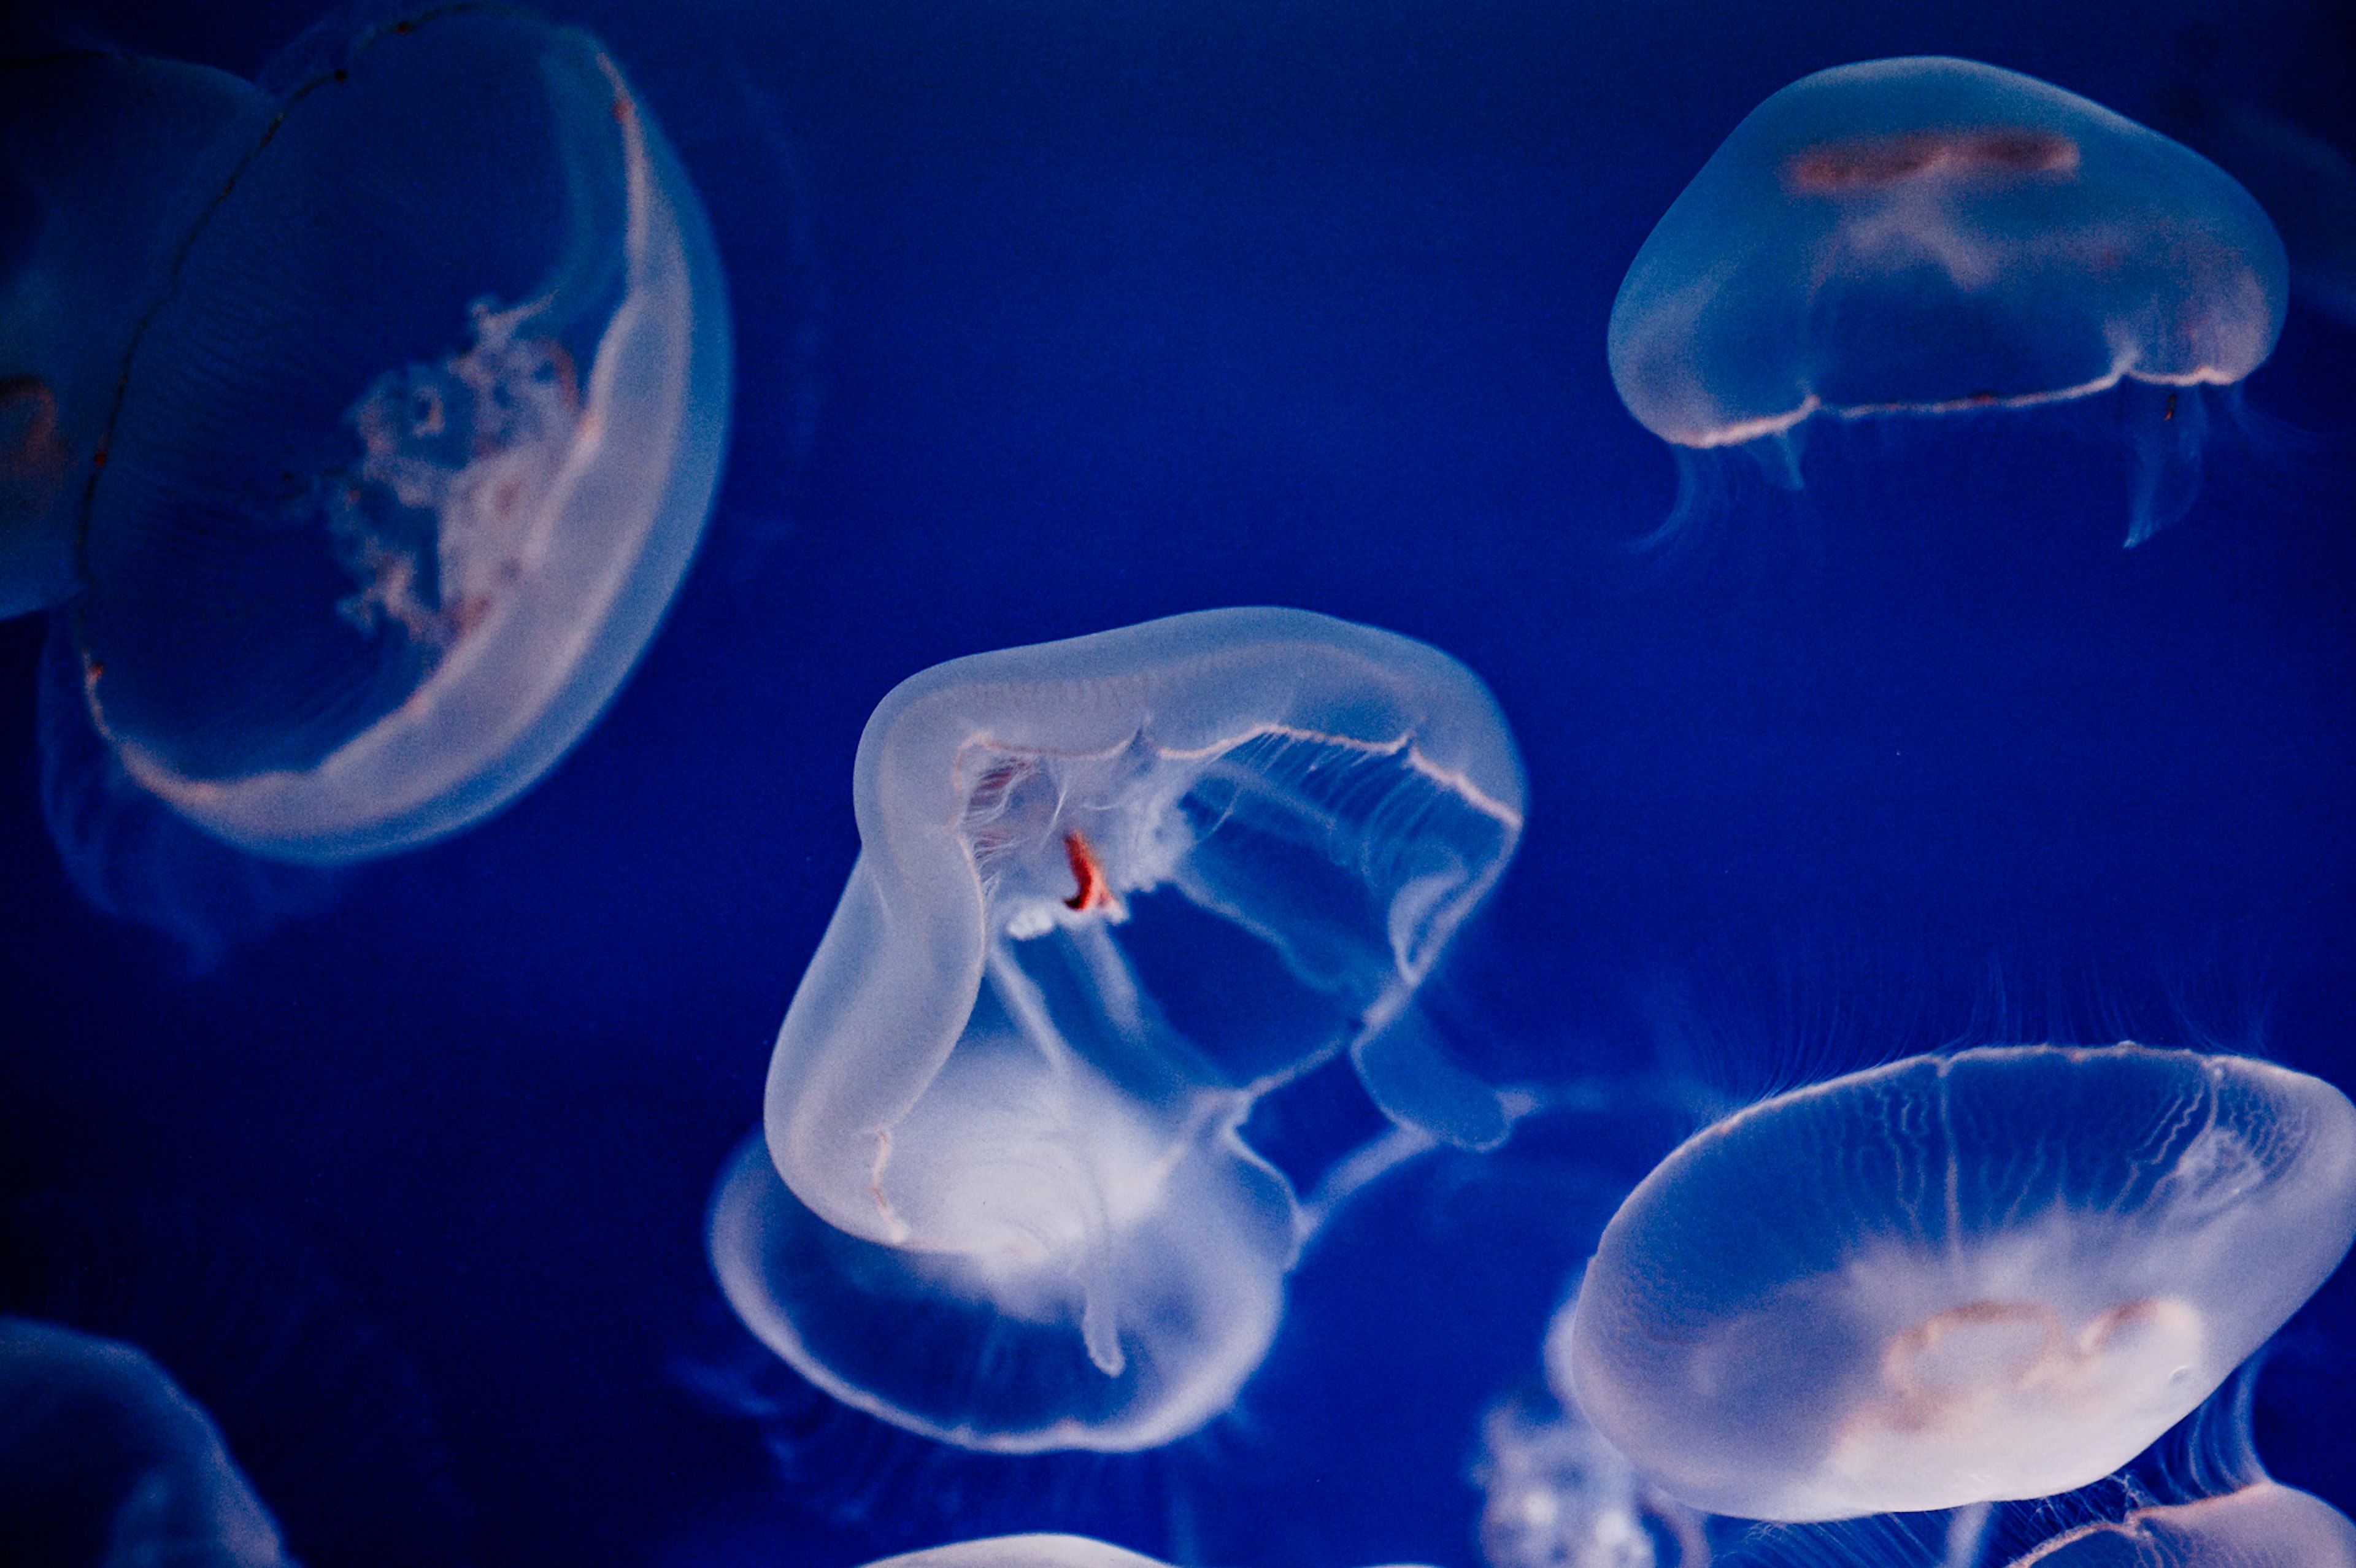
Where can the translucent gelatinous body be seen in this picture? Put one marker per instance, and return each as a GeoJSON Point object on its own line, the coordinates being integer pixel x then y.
{"type": "Point", "coordinates": [1021, 1551]}
{"type": "Point", "coordinates": [105, 1461]}
{"type": "Point", "coordinates": [1992, 1275]}
{"type": "Point", "coordinates": [1555, 1494]}
{"type": "Point", "coordinates": [2267, 1525]}
{"type": "Point", "coordinates": [408, 463]}
{"type": "Point", "coordinates": [1927, 235]}
{"type": "Point", "coordinates": [1111, 890]}
{"type": "Point", "coordinates": [1025, 1552]}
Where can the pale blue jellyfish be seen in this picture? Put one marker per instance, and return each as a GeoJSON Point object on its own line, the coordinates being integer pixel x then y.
{"type": "Point", "coordinates": [1555, 1494]}
{"type": "Point", "coordinates": [2263, 1525]}
{"type": "Point", "coordinates": [1027, 1552]}
{"type": "Point", "coordinates": [104, 1462]}
{"type": "Point", "coordinates": [1111, 891]}
{"type": "Point", "coordinates": [1929, 236]}
{"type": "Point", "coordinates": [399, 469]}
{"type": "Point", "coordinates": [1022, 1551]}
{"type": "Point", "coordinates": [1992, 1275]}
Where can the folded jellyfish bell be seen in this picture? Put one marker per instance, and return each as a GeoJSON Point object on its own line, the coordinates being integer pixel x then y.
{"type": "Point", "coordinates": [1993, 1275]}
{"type": "Point", "coordinates": [409, 460]}
{"type": "Point", "coordinates": [1930, 236]}
{"type": "Point", "coordinates": [1110, 893]}
{"type": "Point", "coordinates": [104, 1460]}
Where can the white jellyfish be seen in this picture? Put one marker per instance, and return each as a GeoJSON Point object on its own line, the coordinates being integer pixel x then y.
{"type": "Point", "coordinates": [1022, 1551]}
{"type": "Point", "coordinates": [2263, 1525]}
{"type": "Point", "coordinates": [1555, 1494]}
{"type": "Point", "coordinates": [1111, 891]}
{"type": "Point", "coordinates": [1930, 235]}
{"type": "Point", "coordinates": [105, 1461]}
{"type": "Point", "coordinates": [1992, 1275]}
{"type": "Point", "coordinates": [1027, 1552]}
{"type": "Point", "coordinates": [398, 471]}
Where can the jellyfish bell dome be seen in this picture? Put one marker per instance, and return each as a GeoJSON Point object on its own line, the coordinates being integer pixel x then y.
{"type": "Point", "coordinates": [411, 457]}
{"type": "Point", "coordinates": [1027, 1552]}
{"type": "Point", "coordinates": [1022, 1551]}
{"type": "Point", "coordinates": [1929, 236]}
{"type": "Point", "coordinates": [2264, 1525]}
{"type": "Point", "coordinates": [1110, 892]}
{"type": "Point", "coordinates": [1993, 1275]}
{"type": "Point", "coordinates": [104, 1460]}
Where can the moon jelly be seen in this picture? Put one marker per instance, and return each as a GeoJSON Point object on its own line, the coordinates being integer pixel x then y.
{"type": "Point", "coordinates": [1025, 1552]}
{"type": "Point", "coordinates": [1993, 1275]}
{"type": "Point", "coordinates": [1021, 1551]}
{"type": "Point", "coordinates": [412, 453]}
{"type": "Point", "coordinates": [1931, 236]}
{"type": "Point", "coordinates": [1111, 891]}
{"type": "Point", "coordinates": [2264, 1525]}
{"type": "Point", "coordinates": [104, 1460]}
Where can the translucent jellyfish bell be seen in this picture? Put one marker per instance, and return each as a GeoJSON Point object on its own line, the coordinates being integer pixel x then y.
{"type": "Point", "coordinates": [1022, 1551]}
{"type": "Point", "coordinates": [105, 1461]}
{"type": "Point", "coordinates": [409, 460]}
{"type": "Point", "coordinates": [1111, 891]}
{"type": "Point", "coordinates": [1928, 236]}
{"type": "Point", "coordinates": [2264, 1525]}
{"type": "Point", "coordinates": [1026, 1551]}
{"type": "Point", "coordinates": [1993, 1275]}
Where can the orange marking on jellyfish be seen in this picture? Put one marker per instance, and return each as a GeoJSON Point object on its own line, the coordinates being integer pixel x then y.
{"type": "Point", "coordinates": [1095, 893]}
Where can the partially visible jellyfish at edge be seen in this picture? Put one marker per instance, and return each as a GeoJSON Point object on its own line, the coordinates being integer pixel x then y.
{"type": "Point", "coordinates": [1028, 1552]}
{"type": "Point", "coordinates": [413, 444]}
{"type": "Point", "coordinates": [105, 1461]}
{"type": "Point", "coordinates": [1987, 1276]}
{"type": "Point", "coordinates": [1111, 891]}
{"type": "Point", "coordinates": [1927, 237]}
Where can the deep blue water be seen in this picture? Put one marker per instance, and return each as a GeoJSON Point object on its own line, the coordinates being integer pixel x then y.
{"type": "Point", "coordinates": [1057, 318]}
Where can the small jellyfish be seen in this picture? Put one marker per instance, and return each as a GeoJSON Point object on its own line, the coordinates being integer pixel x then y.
{"type": "Point", "coordinates": [1986, 1277]}
{"type": "Point", "coordinates": [401, 468]}
{"type": "Point", "coordinates": [2263, 1525]}
{"type": "Point", "coordinates": [1022, 1551]}
{"type": "Point", "coordinates": [1110, 892]}
{"type": "Point", "coordinates": [1027, 1552]}
{"type": "Point", "coordinates": [104, 1462]}
{"type": "Point", "coordinates": [1930, 235]}
{"type": "Point", "coordinates": [1555, 1494]}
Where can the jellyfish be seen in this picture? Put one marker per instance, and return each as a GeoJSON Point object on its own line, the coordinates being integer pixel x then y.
{"type": "Point", "coordinates": [1555, 1494]}
{"type": "Point", "coordinates": [1930, 237]}
{"type": "Point", "coordinates": [1110, 892]}
{"type": "Point", "coordinates": [1027, 1552]}
{"type": "Point", "coordinates": [1022, 1551]}
{"type": "Point", "coordinates": [405, 462]}
{"type": "Point", "coordinates": [1992, 1275]}
{"type": "Point", "coordinates": [2264, 1525]}
{"type": "Point", "coordinates": [103, 1461]}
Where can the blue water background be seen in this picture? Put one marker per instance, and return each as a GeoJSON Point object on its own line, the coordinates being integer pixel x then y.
{"type": "Point", "coordinates": [1054, 317]}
